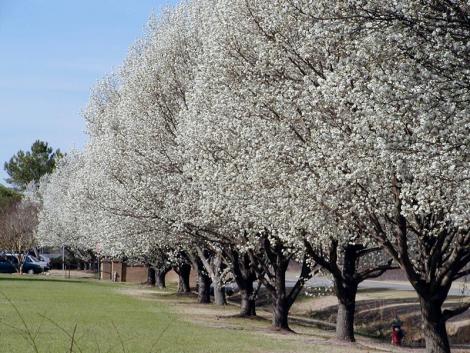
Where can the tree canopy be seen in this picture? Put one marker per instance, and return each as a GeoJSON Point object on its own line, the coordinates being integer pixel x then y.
{"type": "Point", "coordinates": [25, 167]}
{"type": "Point", "coordinates": [241, 134]}
{"type": "Point", "coordinates": [8, 196]}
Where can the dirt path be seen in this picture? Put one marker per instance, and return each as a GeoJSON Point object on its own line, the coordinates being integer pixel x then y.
{"type": "Point", "coordinates": [307, 335]}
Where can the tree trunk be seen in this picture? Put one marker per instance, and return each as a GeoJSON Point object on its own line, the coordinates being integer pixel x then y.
{"type": "Point", "coordinates": [271, 272]}
{"type": "Point", "coordinates": [346, 290]}
{"type": "Point", "coordinates": [434, 327]}
{"type": "Point", "coordinates": [160, 278]}
{"type": "Point", "coordinates": [244, 276]}
{"type": "Point", "coordinates": [204, 287]}
{"type": "Point", "coordinates": [345, 321]}
{"type": "Point", "coordinates": [346, 294]}
{"type": "Point", "coordinates": [183, 272]}
{"type": "Point", "coordinates": [203, 279]}
{"type": "Point", "coordinates": [151, 276]}
{"type": "Point", "coordinates": [213, 264]}
{"type": "Point", "coordinates": [280, 301]}
{"type": "Point", "coordinates": [248, 301]}
{"type": "Point", "coordinates": [280, 313]}
{"type": "Point", "coordinates": [219, 293]}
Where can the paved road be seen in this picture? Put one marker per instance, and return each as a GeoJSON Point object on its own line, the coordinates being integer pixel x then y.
{"type": "Point", "coordinates": [395, 285]}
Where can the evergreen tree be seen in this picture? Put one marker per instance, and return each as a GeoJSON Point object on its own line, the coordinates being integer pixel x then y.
{"type": "Point", "coordinates": [25, 167]}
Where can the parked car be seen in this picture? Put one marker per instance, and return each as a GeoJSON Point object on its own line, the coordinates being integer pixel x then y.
{"type": "Point", "coordinates": [41, 262]}
{"type": "Point", "coordinates": [33, 265]}
{"type": "Point", "coordinates": [46, 261]}
{"type": "Point", "coordinates": [29, 265]}
{"type": "Point", "coordinates": [6, 266]}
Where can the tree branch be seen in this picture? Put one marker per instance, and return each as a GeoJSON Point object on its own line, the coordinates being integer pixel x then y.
{"type": "Point", "coordinates": [450, 313]}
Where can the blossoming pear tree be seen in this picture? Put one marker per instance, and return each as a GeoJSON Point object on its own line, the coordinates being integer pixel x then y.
{"type": "Point", "coordinates": [396, 114]}
{"type": "Point", "coordinates": [240, 135]}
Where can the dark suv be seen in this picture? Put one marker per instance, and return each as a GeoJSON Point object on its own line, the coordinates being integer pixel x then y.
{"type": "Point", "coordinates": [6, 266]}
{"type": "Point", "coordinates": [28, 266]}
{"type": "Point", "coordinates": [31, 267]}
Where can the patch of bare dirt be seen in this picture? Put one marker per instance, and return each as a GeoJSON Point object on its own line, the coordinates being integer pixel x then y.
{"type": "Point", "coordinates": [374, 316]}
{"type": "Point", "coordinates": [225, 317]}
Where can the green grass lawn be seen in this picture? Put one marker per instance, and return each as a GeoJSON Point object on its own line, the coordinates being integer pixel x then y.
{"type": "Point", "coordinates": [107, 320]}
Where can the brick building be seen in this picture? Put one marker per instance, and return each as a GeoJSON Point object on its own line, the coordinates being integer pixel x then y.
{"type": "Point", "coordinates": [122, 272]}
{"type": "Point", "coordinates": [133, 273]}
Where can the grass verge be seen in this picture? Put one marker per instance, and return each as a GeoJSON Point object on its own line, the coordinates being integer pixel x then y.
{"type": "Point", "coordinates": [55, 316]}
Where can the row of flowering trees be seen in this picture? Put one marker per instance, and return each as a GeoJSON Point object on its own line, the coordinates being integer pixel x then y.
{"type": "Point", "coordinates": [239, 135]}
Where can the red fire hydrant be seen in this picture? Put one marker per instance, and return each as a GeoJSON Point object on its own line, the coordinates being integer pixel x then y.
{"type": "Point", "coordinates": [397, 332]}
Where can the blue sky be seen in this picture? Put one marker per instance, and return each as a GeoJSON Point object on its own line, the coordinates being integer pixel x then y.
{"type": "Point", "coordinates": [52, 52]}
